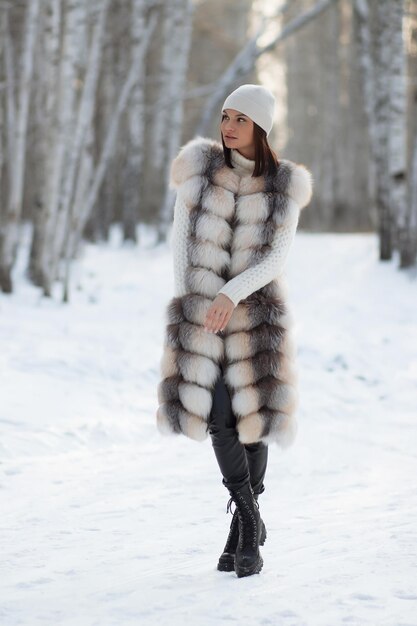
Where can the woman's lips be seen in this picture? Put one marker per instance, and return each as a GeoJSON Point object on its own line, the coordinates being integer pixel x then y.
{"type": "Point", "coordinates": [228, 137]}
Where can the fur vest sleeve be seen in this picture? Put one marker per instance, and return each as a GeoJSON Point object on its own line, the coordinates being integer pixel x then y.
{"type": "Point", "coordinates": [233, 224]}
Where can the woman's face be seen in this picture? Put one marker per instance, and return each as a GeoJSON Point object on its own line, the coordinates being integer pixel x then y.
{"type": "Point", "coordinates": [236, 129]}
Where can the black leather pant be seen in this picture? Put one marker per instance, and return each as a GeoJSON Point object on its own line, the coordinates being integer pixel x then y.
{"type": "Point", "coordinates": [238, 462]}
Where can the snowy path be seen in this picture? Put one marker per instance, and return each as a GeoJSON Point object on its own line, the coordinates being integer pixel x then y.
{"type": "Point", "coordinates": [105, 522]}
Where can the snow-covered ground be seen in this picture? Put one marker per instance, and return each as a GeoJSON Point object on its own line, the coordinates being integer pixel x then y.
{"type": "Point", "coordinates": [106, 522]}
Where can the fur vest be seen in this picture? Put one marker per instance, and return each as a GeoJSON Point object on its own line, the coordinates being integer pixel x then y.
{"type": "Point", "coordinates": [232, 224]}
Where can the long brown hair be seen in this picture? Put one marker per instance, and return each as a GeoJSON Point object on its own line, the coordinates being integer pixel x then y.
{"type": "Point", "coordinates": [266, 160]}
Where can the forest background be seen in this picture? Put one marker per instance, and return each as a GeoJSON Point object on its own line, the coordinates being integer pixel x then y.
{"type": "Point", "coordinates": [97, 97]}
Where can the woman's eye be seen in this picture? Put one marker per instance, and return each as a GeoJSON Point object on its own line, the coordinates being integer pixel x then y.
{"type": "Point", "coordinates": [240, 119]}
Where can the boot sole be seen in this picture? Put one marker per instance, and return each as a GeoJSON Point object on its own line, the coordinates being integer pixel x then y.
{"type": "Point", "coordinates": [248, 571]}
{"type": "Point", "coordinates": [227, 561]}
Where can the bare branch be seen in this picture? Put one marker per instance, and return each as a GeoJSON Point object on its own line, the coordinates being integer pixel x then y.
{"type": "Point", "coordinates": [245, 60]}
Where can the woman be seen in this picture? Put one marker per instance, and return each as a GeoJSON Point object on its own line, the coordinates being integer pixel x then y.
{"type": "Point", "coordinates": [228, 363]}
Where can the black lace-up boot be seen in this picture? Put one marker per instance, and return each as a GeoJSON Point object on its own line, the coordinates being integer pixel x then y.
{"type": "Point", "coordinates": [248, 559]}
{"type": "Point", "coordinates": [227, 559]}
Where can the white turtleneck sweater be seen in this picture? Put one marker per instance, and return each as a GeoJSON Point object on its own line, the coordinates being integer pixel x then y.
{"type": "Point", "coordinates": [254, 277]}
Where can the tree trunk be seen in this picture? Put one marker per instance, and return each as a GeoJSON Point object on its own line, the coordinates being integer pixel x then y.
{"type": "Point", "coordinates": [398, 129]}
{"type": "Point", "coordinates": [61, 136]}
{"type": "Point", "coordinates": [9, 233]}
{"type": "Point", "coordinates": [75, 149]}
{"type": "Point", "coordinates": [135, 119]}
{"type": "Point", "coordinates": [409, 244]}
{"type": "Point", "coordinates": [382, 117]}
{"type": "Point", "coordinates": [87, 199]}
{"type": "Point", "coordinates": [48, 81]}
{"type": "Point", "coordinates": [182, 37]}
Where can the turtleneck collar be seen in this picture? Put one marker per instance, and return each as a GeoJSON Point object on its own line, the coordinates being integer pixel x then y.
{"type": "Point", "coordinates": [241, 163]}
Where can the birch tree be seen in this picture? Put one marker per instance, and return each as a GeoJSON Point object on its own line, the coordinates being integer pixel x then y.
{"type": "Point", "coordinates": [382, 117]}
{"type": "Point", "coordinates": [172, 15]}
{"type": "Point", "coordinates": [400, 203]}
{"type": "Point", "coordinates": [113, 67]}
{"type": "Point", "coordinates": [87, 198]}
{"type": "Point", "coordinates": [10, 117]}
{"type": "Point", "coordinates": [9, 227]}
{"type": "Point", "coordinates": [61, 137]}
{"type": "Point", "coordinates": [83, 122]}
{"type": "Point", "coordinates": [2, 113]}
{"type": "Point", "coordinates": [135, 118]}
{"type": "Point", "coordinates": [374, 36]}
{"type": "Point", "coordinates": [409, 249]}
{"type": "Point", "coordinates": [48, 79]}
{"type": "Point", "coordinates": [383, 65]}
{"type": "Point", "coordinates": [182, 38]}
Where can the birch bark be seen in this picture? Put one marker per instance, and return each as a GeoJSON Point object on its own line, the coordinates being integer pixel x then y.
{"type": "Point", "coordinates": [135, 119]}
{"type": "Point", "coordinates": [409, 252]}
{"type": "Point", "coordinates": [61, 137]}
{"type": "Point", "coordinates": [48, 81]}
{"type": "Point", "coordinates": [182, 37]}
{"type": "Point", "coordinates": [397, 140]}
{"type": "Point", "coordinates": [89, 185]}
{"type": "Point", "coordinates": [75, 149]}
{"type": "Point", "coordinates": [9, 227]}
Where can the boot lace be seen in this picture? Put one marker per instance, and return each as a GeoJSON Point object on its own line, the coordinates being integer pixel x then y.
{"type": "Point", "coordinates": [249, 525]}
{"type": "Point", "coordinates": [229, 506]}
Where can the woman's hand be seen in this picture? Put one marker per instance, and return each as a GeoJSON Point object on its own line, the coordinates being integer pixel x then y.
{"type": "Point", "coordinates": [219, 313]}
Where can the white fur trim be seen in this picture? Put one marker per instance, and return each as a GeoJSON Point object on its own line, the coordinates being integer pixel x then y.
{"type": "Point", "coordinates": [301, 185]}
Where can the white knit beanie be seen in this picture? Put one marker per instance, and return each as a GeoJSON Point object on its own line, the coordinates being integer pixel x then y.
{"type": "Point", "coordinates": [256, 102]}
